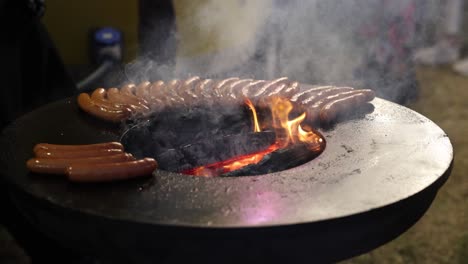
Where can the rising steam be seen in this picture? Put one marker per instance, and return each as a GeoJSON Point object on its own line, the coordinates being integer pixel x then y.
{"type": "Point", "coordinates": [311, 41]}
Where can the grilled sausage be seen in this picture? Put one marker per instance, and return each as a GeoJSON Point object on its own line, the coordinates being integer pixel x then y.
{"type": "Point", "coordinates": [128, 89]}
{"type": "Point", "coordinates": [186, 90]}
{"type": "Point", "coordinates": [312, 99]}
{"type": "Point", "coordinates": [290, 90]}
{"type": "Point", "coordinates": [102, 111]}
{"type": "Point", "coordinates": [203, 89]}
{"type": "Point", "coordinates": [59, 166]}
{"type": "Point", "coordinates": [271, 85]}
{"type": "Point", "coordinates": [313, 111]}
{"type": "Point", "coordinates": [220, 86]}
{"type": "Point", "coordinates": [111, 171]}
{"type": "Point", "coordinates": [299, 96]}
{"type": "Point", "coordinates": [235, 88]}
{"type": "Point", "coordinates": [249, 89]}
{"type": "Point", "coordinates": [99, 97]}
{"type": "Point", "coordinates": [53, 147]}
{"type": "Point", "coordinates": [66, 154]}
{"type": "Point", "coordinates": [332, 109]}
{"type": "Point", "coordinates": [142, 90]}
{"type": "Point", "coordinates": [155, 95]}
{"type": "Point", "coordinates": [115, 96]}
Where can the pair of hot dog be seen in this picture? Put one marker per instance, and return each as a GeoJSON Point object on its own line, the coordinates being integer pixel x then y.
{"type": "Point", "coordinates": [89, 163]}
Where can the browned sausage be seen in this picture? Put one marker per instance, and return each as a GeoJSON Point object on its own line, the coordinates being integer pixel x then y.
{"type": "Point", "coordinates": [142, 90]}
{"type": "Point", "coordinates": [235, 89]}
{"type": "Point", "coordinates": [107, 145]}
{"type": "Point", "coordinates": [111, 171]}
{"type": "Point", "coordinates": [66, 154]}
{"type": "Point", "coordinates": [270, 85]}
{"type": "Point", "coordinates": [312, 99]}
{"type": "Point", "coordinates": [156, 95]}
{"type": "Point", "coordinates": [218, 87]}
{"type": "Point", "coordinates": [115, 96]}
{"type": "Point", "coordinates": [293, 88]}
{"type": "Point", "coordinates": [128, 89]}
{"type": "Point", "coordinates": [59, 166]}
{"type": "Point", "coordinates": [316, 89]}
{"type": "Point", "coordinates": [313, 111]}
{"type": "Point", "coordinates": [203, 89]}
{"type": "Point", "coordinates": [331, 110]}
{"type": "Point", "coordinates": [186, 90]}
{"type": "Point", "coordinates": [249, 89]}
{"type": "Point", "coordinates": [101, 111]}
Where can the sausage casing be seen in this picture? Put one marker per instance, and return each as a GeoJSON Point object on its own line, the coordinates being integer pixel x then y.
{"type": "Point", "coordinates": [101, 111]}
{"type": "Point", "coordinates": [107, 145]}
{"type": "Point", "coordinates": [331, 110]}
{"type": "Point", "coordinates": [67, 154]}
{"type": "Point", "coordinates": [59, 166]}
{"type": "Point", "coordinates": [111, 171]}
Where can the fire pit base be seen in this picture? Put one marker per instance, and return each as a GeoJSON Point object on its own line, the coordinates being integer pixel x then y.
{"type": "Point", "coordinates": [376, 177]}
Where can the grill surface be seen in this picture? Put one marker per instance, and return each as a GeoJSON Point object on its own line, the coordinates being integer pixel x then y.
{"type": "Point", "coordinates": [370, 164]}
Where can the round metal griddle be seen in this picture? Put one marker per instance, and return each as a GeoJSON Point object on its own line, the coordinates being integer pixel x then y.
{"type": "Point", "coordinates": [376, 177]}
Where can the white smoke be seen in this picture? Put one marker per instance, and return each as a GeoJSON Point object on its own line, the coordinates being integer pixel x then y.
{"type": "Point", "coordinates": [311, 41]}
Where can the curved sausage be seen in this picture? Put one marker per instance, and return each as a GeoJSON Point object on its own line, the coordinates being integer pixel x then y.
{"type": "Point", "coordinates": [249, 89]}
{"type": "Point", "coordinates": [142, 90]}
{"type": "Point", "coordinates": [99, 97]}
{"type": "Point", "coordinates": [312, 99]}
{"type": "Point", "coordinates": [102, 111]}
{"type": "Point", "coordinates": [313, 111]}
{"type": "Point", "coordinates": [235, 89]}
{"type": "Point", "coordinates": [269, 85]}
{"type": "Point", "coordinates": [107, 145]}
{"type": "Point", "coordinates": [217, 88]}
{"type": "Point", "coordinates": [111, 171]}
{"type": "Point", "coordinates": [300, 95]}
{"type": "Point", "coordinates": [66, 154]}
{"type": "Point", "coordinates": [128, 89]}
{"type": "Point", "coordinates": [203, 88]}
{"type": "Point", "coordinates": [290, 90]}
{"type": "Point", "coordinates": [115, 96]}
{"type": "Point", "coordinates": [59, 166]}
{"type": "Point", "coordinates": [186, 90]}
{"type": "Point", "coordinates": [331, 110]}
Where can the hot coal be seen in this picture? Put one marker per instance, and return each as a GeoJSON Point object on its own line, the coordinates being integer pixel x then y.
{"type": "Point", "coordinates": [183, 138]}
{"type": "Point", "coordinates": [281, 159]}
{"type": "Point", "coordinates": [213, 150]}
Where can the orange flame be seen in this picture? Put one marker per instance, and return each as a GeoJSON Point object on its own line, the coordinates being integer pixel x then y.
{"type": "Point", "coordinates": [287, 131]}
{"type": "Point", "coordinates": [254, 114]}
{"type": "Point", "coordinates": [290, 131]}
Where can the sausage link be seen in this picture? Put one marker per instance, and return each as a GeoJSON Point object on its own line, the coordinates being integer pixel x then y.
{"type": "Point", "coordinates": [269, 85]}
{"type": "Point", "coordinates": [301, 94]}
{"type": "Point", "coordinates": [313, 111]}
{"type": "Point", "coordinates": [142, 90]}
{"type": "Point", "coordinates": [249, 89]}
{"type": "Point", "coordinates": [111, 171]}
{"type": "Point", "coordinates": [116, 96]}
{"type": "Point", "coordinates": [107, 145]}
{"type": "Point", "coordinates": [218, 87]}
{"type": "Point", "coordinates": [61, 154]}
{"type": "Point", "coordinates": [331, 110]}
{"type": "Point", "coordinates": [102, 111]}
{"type": "Point", "coordinates": [128, 89]}
{"type": "Point", "coordinates": [314, 98]}
{"type": "Point", "coordinates": [59, 166]}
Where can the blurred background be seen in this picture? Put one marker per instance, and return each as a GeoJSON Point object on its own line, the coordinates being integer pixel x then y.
{"type": "Point", "coordinates": [409, 51]}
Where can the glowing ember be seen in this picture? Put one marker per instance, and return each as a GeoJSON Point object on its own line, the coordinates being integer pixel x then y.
{"type": "Point", "coordinates": [288, 132]}
{"type": "Point", "coordinates": [233, 164]}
